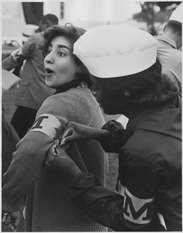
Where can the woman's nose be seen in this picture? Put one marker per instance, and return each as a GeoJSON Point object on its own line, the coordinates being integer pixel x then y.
{"type": "Point", "coordinates": [49, 58]}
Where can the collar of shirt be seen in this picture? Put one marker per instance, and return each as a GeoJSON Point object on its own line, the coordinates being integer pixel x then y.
{"type": "Point", "coordinates": [167, 40]}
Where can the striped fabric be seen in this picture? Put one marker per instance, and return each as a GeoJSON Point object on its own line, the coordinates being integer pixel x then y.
{"type": "Point", "coordinates": [171, 59]}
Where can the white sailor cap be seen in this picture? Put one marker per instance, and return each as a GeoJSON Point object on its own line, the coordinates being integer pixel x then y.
{"type": "Point", "coordinates": [177, 14]}
{"type": "Point", "coordinates": [116, 50]}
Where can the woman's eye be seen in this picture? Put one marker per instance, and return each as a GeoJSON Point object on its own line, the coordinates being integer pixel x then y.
{"type": "Point", "coordinates": [61, 54]}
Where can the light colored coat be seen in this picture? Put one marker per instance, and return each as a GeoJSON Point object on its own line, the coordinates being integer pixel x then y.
{"type": "Point", "coordinates": [48, 203]}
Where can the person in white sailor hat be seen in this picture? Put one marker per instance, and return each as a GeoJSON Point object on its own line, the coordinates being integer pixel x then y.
{"type": "Point", "coordinates": [170, 46]}
{"type": "Point", "coordinates": [126, 78]}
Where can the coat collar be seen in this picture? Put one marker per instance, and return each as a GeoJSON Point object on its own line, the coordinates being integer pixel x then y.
{"type": "Point", "coordinates": [167, 40]}
{"type": "Point", "coordinates": [166, 121]}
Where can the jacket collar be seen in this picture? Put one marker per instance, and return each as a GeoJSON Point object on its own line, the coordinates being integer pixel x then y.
{"type": "Point", "coordinates": [167, 40]}
{"type": "Point", "coordinates": [69, 85]}
{"type": "Point", "coordinates": [166, 122]}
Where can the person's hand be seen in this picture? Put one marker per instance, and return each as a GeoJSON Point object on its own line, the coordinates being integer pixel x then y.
{"type": "Point", "coordinates": [117, 136]}
{"type": "Point", "coordinates": [17, 55]}
{"type": "Point", "coordinates": [10, 221]}
{"type": "Point", "coordinates": [59, 159]}
{"type": "Point", "coordinates": [76, 131]}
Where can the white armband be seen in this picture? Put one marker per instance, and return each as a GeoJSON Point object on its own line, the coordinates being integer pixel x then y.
{"type": "Point", "coordinates": [137, 210]}
{"type": "Point", "coordinates": [49, 125]}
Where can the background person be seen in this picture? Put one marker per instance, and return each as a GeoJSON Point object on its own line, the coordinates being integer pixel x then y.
{"type": "Point", "coordinates": [149, 182]}
{"type": "Point", "coordinates": [48, 204]}
{"type": "Point", "coordinates": [169, 44]}
{"type": "Point", "coordinates": [32, 90]}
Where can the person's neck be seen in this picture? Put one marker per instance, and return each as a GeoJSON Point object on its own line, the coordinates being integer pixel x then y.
{"type": "Point", "coordinates": [131, 112]}
{"type": "Point", "coordinates": [67, 86]}
{"type": "Point", "coordinates": [134, 111]}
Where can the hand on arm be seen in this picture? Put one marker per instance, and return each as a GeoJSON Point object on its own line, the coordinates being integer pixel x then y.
{"type": "Point", "coordinates": [58, 158]}
{"type": "Point", "coordinates": [112, 136]}
{"type": "Point", "coordinates": [76, 131]}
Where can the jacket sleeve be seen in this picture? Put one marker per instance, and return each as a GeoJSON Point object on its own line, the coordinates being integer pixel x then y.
{"type": "Point", "coordinates": [99, 203]}
{"type": "Point", "coordinates": [17, 57]}
{"type": "Point", "coordinates": [9, 63]}
{"type": "Point", "coordinates": [133, 209]}
{"type": "Point", "coordinates": [29, 47]}
{"type": "Point", "coordinates": [28, 160]}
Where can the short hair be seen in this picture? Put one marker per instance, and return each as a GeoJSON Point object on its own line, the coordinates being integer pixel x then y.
{"type": "Point", "coordinates": [50, 17]}
{"type": "Point", "coordinates": [72, 34]}
{"type": "Point", "coordinates": [146, 88]}
{"type": "Point", "coordinates": [174, 25]}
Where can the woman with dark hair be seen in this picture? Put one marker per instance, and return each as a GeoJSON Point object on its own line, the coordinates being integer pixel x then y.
{"type": "Point", "coordinates": [48, 204]}
{"type": "Point", "coordinates": [127, 80]}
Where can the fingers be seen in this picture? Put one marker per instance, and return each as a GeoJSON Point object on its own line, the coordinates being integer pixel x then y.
{"type": "Point", "coordinates": [9, 223]}
{"type": "Point", "coordinates": [68, 132]}
{"type": "Point", "coordinates": [53, 151]}
{"type": "Point", "coordinates": [65, 142]}
{"type": "Point", "coordinates": [54, 154]}
{"type": "Point", "coordinates": [68, 136]}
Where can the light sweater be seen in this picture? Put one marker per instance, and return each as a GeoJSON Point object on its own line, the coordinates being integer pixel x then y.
{"type": "Point", "coordinates": [171, 59]}
{"type": "Point", "coordinates": [48, 203]}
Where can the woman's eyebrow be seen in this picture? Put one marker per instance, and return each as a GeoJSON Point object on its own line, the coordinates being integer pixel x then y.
{"type": "Point", "coordinates": [64, 46]}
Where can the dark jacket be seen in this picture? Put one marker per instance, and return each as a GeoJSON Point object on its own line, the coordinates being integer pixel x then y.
{"type": "Point", "coordinates": [149, 178]}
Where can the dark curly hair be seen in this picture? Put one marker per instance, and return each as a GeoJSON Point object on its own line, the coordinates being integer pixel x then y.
{"type": "Point", "coordinates": [148, 87]}
{"type": "Point", "coordinates": [72, 34]}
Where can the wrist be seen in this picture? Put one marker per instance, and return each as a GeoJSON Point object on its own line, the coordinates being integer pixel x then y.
{"type": "Point", "coordinates": [102, 135]}
{"type": "Point", "coordinates": [98, 134]}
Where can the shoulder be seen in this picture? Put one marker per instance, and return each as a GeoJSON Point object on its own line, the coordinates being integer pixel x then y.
{"type": "Point", "coordinates": [62, 104]}
{"type": "Point", "coordinates": [154, 148]}
{"type": "Point", "coordinates": [79, 95]}
{"type": "Point", "coordinates": [36, 37]}
{"type": "Point", "coordinates": [53, 103]}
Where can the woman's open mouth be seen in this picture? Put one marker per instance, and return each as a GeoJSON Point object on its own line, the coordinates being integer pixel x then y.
{"type": "Point", "coordinates": [48, 71]}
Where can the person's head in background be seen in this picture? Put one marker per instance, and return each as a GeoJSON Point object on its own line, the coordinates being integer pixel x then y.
{"type": "Point", "coordinates": [61, 65]}
{"type": "Point", "coordinates": [125, 72]}
{"type": "Point", "coordinates": [173, 29]}
{"type": "Point", "coordinates": [47, 21]}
